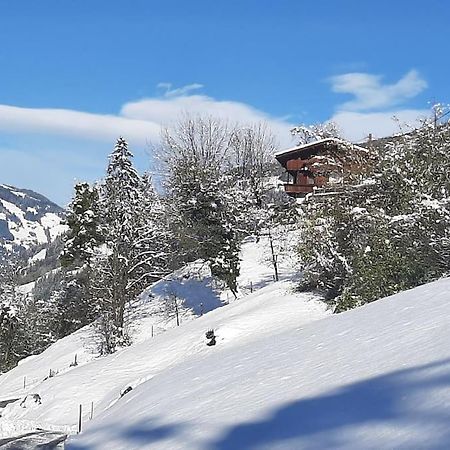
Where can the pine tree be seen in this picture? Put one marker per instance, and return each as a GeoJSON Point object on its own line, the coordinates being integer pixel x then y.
{"type": "Point", "coordinates": [74, 300]}
{"type": "Point", "coordinates": [83, 220]}
{"type": "Point", "coordinates": [119, 201]}
{"type": "Point", "coordinates": [13, 342]}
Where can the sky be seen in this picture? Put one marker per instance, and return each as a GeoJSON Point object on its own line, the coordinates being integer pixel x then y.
{"type": "Point", "coordinates": [77, 74]}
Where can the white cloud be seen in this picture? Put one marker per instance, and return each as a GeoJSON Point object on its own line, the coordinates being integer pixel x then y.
{"type": "Point", "coordinates": [138, 121]}
{"type": "Point", "coordinates": [66, 122]}
{"type": "Point", "coordinates": [372, 111]}
{"type": "Point", "coordinates": [370, 93]}
{"type": "Point", "coordinates": [356, 126]}
{"type": "Point", "coordinates": [166, 111]}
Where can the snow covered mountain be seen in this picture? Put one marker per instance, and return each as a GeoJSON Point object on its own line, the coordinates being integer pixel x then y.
{"type": "Point", "coordinates": [27, 219]}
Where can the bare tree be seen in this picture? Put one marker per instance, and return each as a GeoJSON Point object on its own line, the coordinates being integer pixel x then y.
{"type": "Point", "coordinates": [252, 156]}
{"type": "Point", "coordinates": [316, 132]}
{"type": "Point", "coordinates": [196, 154]}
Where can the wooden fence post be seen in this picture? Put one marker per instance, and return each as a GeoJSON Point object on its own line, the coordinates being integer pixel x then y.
{"type": "Point", "coordinates": [79, 418]}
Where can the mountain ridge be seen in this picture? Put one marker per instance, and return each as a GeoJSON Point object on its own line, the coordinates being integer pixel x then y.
{"type": "Point", "coordinates": [27, 218]}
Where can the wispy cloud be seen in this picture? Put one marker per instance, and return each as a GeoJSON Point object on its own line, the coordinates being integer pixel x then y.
{"type": "Point", "coordinates": [375, 104]}
{"type": "Point", "coordinates": [66, 122]}
{"type": "Point", "coordinates": [139, 121]}
{"type": "Point", "coordinates": [177, 92]}
{"type": "Point", "coordinates": [370, 93]}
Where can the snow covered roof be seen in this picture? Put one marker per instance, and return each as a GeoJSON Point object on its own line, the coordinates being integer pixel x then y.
{"type": "Point", "coordinates": [283, 153]}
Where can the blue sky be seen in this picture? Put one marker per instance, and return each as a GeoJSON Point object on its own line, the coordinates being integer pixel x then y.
{"type": "Point", "coordinates": [74, 75]}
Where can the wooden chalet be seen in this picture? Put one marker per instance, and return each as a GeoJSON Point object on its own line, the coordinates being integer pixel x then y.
{"type": "Point", "coordinates": [320, 164]}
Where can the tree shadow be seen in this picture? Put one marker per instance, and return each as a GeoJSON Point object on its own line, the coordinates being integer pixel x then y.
{"type": "Point", "coordinates": [145, 432]}
{"type": "Point", "coordinates": [388, 400]}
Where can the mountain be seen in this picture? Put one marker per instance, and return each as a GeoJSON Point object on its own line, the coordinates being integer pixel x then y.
{"type": "Point", "coordinates": [27, 219]}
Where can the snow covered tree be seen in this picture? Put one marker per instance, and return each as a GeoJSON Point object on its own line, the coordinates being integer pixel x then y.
{"type": "Point", "coordinates": [137, 239]}
{"type": "Point", "coordinates": [13, 342]}
{"type": "Point", "coordinates": [389, 231]}
{"type": "Point", "coordinates": [251, 161]}
{"type": "Point", "coordinates": [83, 220]}
{"type": "Point", "coordinates": [311, 133]}
{"type": "Point", "coordinates": [75, 304]}
{"type": "Point", "coordinates": [196, 155]}
{"type": "Point", "coordinates": [9, 324]}
{"type": "Point", "coordinates": [119, 201]}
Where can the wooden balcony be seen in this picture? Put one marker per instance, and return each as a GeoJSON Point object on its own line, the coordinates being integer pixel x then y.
{"type": "Point", "coordinates": [294, 189]}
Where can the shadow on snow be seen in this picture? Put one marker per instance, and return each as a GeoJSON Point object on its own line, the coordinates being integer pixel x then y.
{"type": "Point", "coordinates": [320, 422]}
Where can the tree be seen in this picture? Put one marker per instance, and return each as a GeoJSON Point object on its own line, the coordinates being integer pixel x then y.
{"type": "Point", "coordinates": [196, 155]}
{"type": "Point", "coordinates": [74, 302]}
{"type": "Point", "coordinates": [138, 243]}
{"type": "Point", "coordinates": [251, 162]}
{"type": "Point", "coordinates": [83, 220]}
{"type": "Point", "coordinates": [13, 341]}
{"type": "Point", "coordinates": [119, 201]}
{"type": "Point", "coordinates": [311, 133]}
{"type": "Point", "coordinates": [387, 231]}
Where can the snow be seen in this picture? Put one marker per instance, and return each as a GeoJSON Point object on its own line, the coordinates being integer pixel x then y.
{"type": "Point", "coordinates": [285, 373]}
{"type": "Point", "coordinates": [375, 377]}
{"type": "Point", "coordinates": [27, 233]}
{"type": "Point", "coordinates": [318, 142]}
{"type": "Point", "coordinates": [54, 224]}
{"type": "Point", "coordinates": [26, 288]}
{"type": "Point", "coordinates": [39, 256]}
{"type": "Point", "coordinates": [100, 380]}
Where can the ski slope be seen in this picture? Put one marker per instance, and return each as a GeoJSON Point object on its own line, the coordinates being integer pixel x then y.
{"type": "Point", "coordinates": [377, 377]}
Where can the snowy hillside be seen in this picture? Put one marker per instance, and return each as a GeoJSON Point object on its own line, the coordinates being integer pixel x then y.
{"type": "Point", "coordinates": [101, 380]}
{"type": "Point", "coordinates": [27, 218]}
{"type": "Point", "coordinates": [284, 373]}
{"type": "Point", "coordinates": [372, 378]}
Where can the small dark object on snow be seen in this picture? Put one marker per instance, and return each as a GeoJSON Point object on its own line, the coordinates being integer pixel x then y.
{"type": "Point", "coordinates": [35, 397]}
{"type": "Point", "coordinates": [125, 391]}
{"type": "Point", "coordinates": [75, 362]}
{"type": "Point", "coordinates": [212, 338]}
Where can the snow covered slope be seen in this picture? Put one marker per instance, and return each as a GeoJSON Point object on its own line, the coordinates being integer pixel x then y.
{"type": "Point", "coordinates": [377, 377]}
{"type": "Point", "coordinates": [27, 218]}
{"type": "Point", "coordinates": [101, 380]}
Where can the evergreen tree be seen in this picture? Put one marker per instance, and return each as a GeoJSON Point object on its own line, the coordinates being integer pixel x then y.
{"type": "Point", "coordinates": [119, 200]}
{"type": "Point", "coordinates": [137, 244]}
{"type": "Point", "coordinates": [83, 220]}
{"type": "Point", "coordinates": [13, 342]}
{"type": "Point", "coordinates": [75, 302]}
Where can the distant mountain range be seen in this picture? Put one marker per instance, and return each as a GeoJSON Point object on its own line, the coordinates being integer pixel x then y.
{"type": "Point", "coordinates": [27, 219]}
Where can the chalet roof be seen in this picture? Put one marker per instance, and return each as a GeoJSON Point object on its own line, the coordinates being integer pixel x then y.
{"type": "Point", "coordinates": [309, 148]}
